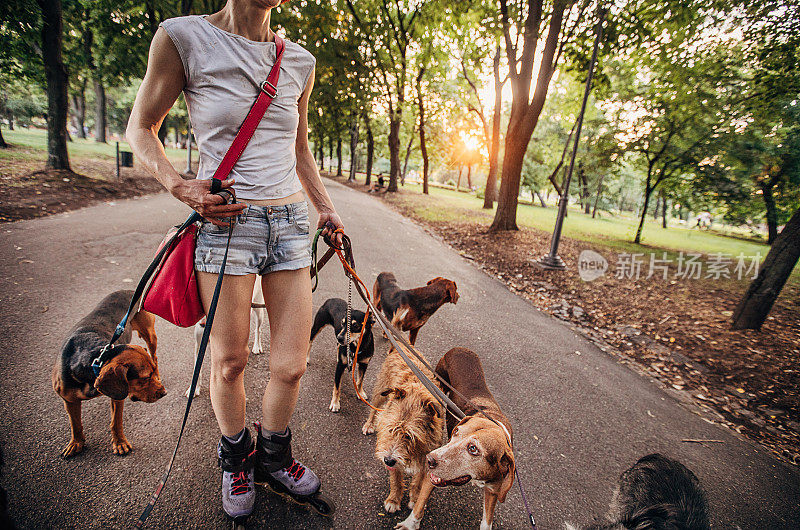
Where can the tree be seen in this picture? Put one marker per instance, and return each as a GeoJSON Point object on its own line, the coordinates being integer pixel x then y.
{"type": "Point", "coordinates": [57, 82]}
{"type": "Point", "coordinates": [752, 310]}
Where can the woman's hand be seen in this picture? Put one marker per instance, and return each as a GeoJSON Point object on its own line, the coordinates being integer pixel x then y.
{"type": "Point", "coordinates": [330, 222]}
{"type": "Point", "coordinates": [197, 195]}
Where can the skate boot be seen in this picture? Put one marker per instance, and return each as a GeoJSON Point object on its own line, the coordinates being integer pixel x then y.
{"type": "Point", "coordinates": [238, 486]}
{"type": "Point", "coordinates": [277, 470]}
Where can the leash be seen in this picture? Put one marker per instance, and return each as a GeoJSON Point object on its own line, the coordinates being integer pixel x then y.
{"type": "Point", "coordinates": [345, 254]}
{"type": "Point", "coordinates": [201, 352]}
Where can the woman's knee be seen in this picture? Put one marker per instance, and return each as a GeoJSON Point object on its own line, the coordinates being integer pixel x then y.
{"type": "Point", "coordinates": [288, 373]}
{"type": "Point", "coordinates": [229, 368]}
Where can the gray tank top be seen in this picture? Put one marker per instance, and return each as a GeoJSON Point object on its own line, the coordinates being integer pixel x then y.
{"type": "Point", "coordinates": [223, 73]}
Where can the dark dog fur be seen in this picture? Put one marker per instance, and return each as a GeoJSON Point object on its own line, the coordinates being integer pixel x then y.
{"type": "Point", "coordinates": [410, 309]}
{"type": "Point", "coordinates": [333, 313]}
{"type": "Point", "coordinates": [131, 371]}
{"type": "Point", "coordinates": [657, 493]}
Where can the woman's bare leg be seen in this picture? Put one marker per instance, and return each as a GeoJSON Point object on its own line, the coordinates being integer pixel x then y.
{"type": "Point", "coordinates": [228, 346]}
{"type": "Point", "coordinates": [287, 295]}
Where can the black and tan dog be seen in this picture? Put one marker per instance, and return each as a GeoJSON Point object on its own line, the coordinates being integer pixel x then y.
{"type": "Point", "coordinates": [479, 449]}
{"type": "Point", "coordinates": [334, 313]}
{"type": "Point", "coordinates": [131, 372]}
{"type": "Point", "coordinates": [410, 309]}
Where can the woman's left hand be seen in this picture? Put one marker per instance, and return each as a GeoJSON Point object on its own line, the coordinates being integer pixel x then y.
{"type": "Point", "coordinates": [330, 222]}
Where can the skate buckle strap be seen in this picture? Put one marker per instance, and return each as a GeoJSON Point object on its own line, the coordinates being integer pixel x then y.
{"type": "Point", "coordinates": [274, 455]}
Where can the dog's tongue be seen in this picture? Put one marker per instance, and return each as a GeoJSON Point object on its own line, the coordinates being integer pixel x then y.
{"type": "Point", "coordinates": [436, 481]}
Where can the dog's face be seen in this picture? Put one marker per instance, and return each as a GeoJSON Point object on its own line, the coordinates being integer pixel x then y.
{"type": "Point", "coordinates": [356, 322]}
{"type": "Point", "coordinates": [449, 287]}
{"type": "Point", "coordinates": [478, 450]}
{"type": "Point", "coordinates": [409, 426]}
{"type": "Point", "coordinates": [131, 373]}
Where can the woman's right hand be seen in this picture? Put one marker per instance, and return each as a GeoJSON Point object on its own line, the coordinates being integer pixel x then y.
{"type": "Point", "coordinates": [197, 195]}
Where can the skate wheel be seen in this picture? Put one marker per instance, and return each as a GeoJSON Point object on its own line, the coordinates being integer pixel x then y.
{"type": "Point", "coordinates": [322, 504]}
{"type": "Point", "coordinates": [237, 525]}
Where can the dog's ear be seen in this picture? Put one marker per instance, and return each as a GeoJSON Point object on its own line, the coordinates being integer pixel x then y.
{"type": "Point", "coordinates": [432, 408]}
{"type": "Point", "coordinates": [113, 381]}
{"type": "Point", "coordinates": [507, 467]}
{"type": "Point", "coordinates": [452, 291]}
{"type": "Point", "coordinates": [399, 393]}
{"type": "Point", "coordinates": [434, 280]}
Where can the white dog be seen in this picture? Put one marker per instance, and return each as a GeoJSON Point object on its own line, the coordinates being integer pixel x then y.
{"type": "Point", "coordinates": [258, 311]}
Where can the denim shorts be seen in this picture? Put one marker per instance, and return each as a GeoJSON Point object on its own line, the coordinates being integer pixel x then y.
{"type": "Point", "coordinates": [265, 239]}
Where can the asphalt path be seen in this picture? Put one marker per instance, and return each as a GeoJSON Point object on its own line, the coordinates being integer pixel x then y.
{"type": "Point", "coordinates": [580, 417]}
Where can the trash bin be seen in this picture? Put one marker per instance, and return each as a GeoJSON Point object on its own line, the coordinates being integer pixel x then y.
{"type": "Point", "coordinates": [126, 159]}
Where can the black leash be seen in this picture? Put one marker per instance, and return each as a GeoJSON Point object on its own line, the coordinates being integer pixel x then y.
{"type": "Point", "coordinates": [106, 353]}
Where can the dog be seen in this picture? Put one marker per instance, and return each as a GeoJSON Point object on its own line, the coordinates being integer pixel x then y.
{"type": "Point", "coordinates": [410, 309]}
{"type": "Point", "coordinates": [130, 372]}
{"type": "Point", "coordinates": [656, 493]}
{"type": "Point", "coordinates": [334, 313]}
{"type": "Point", "coordinates": [479, 449]}
{"type": "Point", "coordinates": [258, 312]}
{"type": "Point", "coordinates": [409, 426]}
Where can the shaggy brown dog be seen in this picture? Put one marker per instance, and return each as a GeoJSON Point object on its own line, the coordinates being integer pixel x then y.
{"type": "Point", "coordinates": [410, 426]}
{"type": "Point", "coordinates": [410, 309]}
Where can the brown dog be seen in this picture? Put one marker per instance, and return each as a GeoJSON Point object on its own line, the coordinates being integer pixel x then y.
{"type": "Point", "coordinates": [410, 309]}
{"type": "Point", "coordinates": [479, 449]}
{"type": "Point", "coordinates": [410, 425]}
{"type": "Point", "coordinates": [130, 372]}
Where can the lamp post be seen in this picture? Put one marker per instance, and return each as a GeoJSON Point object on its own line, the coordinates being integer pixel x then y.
{"type": "Point", "coordinates": [553, 260]}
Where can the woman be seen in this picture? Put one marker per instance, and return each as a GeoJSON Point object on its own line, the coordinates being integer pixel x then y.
{"type": "Point", "coordinates": [218, 62]}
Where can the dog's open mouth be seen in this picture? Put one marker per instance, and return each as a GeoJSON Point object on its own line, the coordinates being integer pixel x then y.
{"type": "Point", "coordinates": [439, 483]}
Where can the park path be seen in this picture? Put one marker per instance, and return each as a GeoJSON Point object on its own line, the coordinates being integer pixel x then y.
{"type": "Point", "coordinates": [579, 416]}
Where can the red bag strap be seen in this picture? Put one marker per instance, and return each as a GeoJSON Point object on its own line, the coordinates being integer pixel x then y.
{"type": "Point", "coordinates": [267, 92]}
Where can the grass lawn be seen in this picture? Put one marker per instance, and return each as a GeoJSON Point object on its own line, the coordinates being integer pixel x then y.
{"type": "Point", "coordinates": [616, 232]}
{"type": "Point", "coordinates": [36, 140]}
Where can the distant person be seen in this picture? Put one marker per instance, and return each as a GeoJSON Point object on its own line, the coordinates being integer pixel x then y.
{"type": "Point", "coordinates": [704, 221]}
{"type": "Point", "coordinates": [219, 61]}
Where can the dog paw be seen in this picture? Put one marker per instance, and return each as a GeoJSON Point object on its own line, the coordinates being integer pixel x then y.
{"type": "Point", "coordinates": [368, 429]}
{"type": "Point", "coordinates": [73, 448]}
{"type": "Point", "coordinates": [121, 446]}
{"type": "Point", "coordinates": [410, 523]}
{"type": "Point", "coordinates": [334, 406]}
{"type": "Point", "coordinates": [196, 391]}
{"type": "Point", "coordinates": [391, 505]}
{"type": "Point", "coordinates": [256, 350]}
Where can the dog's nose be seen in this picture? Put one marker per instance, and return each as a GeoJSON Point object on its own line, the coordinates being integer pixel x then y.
{"type": "Point", "coordinates": [162, 392]}
{"type": "Point", "coordinates": [432, 463]}
{"type": "Point", "coordinates": [389, 461]}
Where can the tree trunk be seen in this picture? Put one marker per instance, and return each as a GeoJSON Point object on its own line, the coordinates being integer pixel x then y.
{"type": "Point", "coordinates": [321, 152]}
{"type": "Point", "coordinates": [494, 150]}
{"type": "Point", "coordinates": [422, 147]}
{"type": "Point", "coordinates": [647, 193]}
{"type": "Point", "coordinates": [772, 213]}
{"type": "Point", "coordinates": [655, 210]}
{"type": "Point", "coordinates": [752, 310]}
{"type": "Point", "coordinates": [10, 117]}
{"type": "Point", "coordinates": [394, 149]}
{"type": "Point", "coordinates": [506, 216]}
{"type": "Point", "coordinates": [597, 195]}
{"type": "Point", "coordinates": [100, 112]}
{"type": "Point", "coordinates": [370, 151]}
{"type": "Point", "coordinates": [353, 148]}
{"type": "Point", "coordinates": [469, 176]}
{"type": "Point", "coordinates": [458, 182]}
{"type": "Point", "coordinates": [541, 199]}
{"type": "Point", "coordinates": [405, 162]}
{"type": "Point", "coordinates": [584, 191]}
{"type": "Point", "coordinates": [79, 110]}
{"type": "Point", "coordinates": [663, 212]}
{"type": "Point", "coordinates": [339, 156]}
{"type": "Point", "coordinates": [57, 81]}
{"type": "Point", "coordinates": [330, 154]}
{"type": "Point", "coordinates": [3, 143]}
